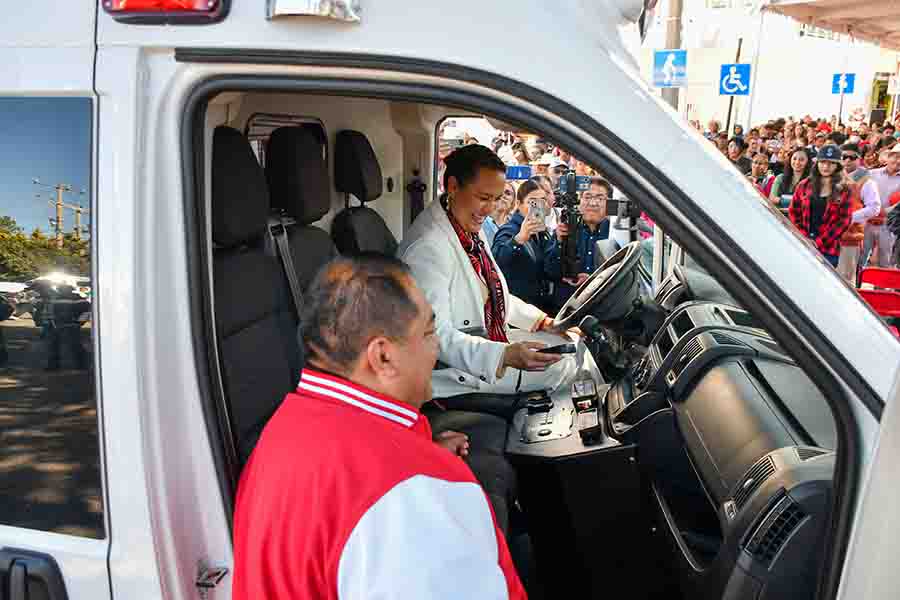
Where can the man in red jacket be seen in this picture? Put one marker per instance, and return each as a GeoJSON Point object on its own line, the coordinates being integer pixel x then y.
{"type": "Point", "coordinates": [346, 496]}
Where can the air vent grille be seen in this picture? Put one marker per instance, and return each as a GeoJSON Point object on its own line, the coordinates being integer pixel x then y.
{"type": "Point", "coordinates": [775, 530]}
{"type": "Point", "coordinates": [689, 353]}
{"type": "Point", "coordinates": [754, 478]}
{"type": "Point", "coordinates": [723, 339]}
{"type": "Point", "coordinates": [808, 453]}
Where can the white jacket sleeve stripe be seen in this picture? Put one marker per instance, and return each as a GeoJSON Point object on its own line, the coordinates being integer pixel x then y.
{"type": "Point", "coordinates": [425, 538]}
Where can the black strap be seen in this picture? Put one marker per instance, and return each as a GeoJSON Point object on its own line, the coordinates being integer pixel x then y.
{"type": "Point", "coordinates": [279, 232]}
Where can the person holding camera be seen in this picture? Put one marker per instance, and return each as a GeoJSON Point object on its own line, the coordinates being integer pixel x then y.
{"type": "Point", "coordinates": [594, 228]}
{"type": "Point", "coordinates": [522, 247]}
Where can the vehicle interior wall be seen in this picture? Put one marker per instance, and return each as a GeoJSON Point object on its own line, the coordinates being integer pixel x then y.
{"type": "Point", "coordinates": [401, 133]}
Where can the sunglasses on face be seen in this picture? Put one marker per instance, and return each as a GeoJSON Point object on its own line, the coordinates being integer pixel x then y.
{"type": "Point", "coordinates": [850, 157]}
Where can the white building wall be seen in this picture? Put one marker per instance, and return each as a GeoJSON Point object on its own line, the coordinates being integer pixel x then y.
{"type": "Point", "coordinates": [794, 72]}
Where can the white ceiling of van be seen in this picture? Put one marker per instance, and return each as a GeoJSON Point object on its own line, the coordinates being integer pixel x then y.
{"type": "Point", "coordinates": [876, 21]}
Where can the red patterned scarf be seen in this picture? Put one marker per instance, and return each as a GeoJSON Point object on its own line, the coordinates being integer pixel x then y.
{"type": "Point", "coordinates": [495, 305]}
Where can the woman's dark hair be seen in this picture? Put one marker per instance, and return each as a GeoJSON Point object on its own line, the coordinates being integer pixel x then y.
{"type": "Point", "coordinates": [526, 188]}
{"type": "Point", "coordinates": [837, 183]}
{"type": "Point", "coordinates": [789, 170]}
{"type": "Point", "coordinates": [464, 163]}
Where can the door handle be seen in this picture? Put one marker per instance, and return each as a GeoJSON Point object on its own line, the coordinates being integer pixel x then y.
{"type": "Point", "coordinates": [30, 575]}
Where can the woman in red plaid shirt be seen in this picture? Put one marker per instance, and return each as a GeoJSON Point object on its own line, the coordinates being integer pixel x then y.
{"type": "Point", "coordinates": [821, 206]}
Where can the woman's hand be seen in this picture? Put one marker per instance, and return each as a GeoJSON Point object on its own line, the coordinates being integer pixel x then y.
{"type": "Point", "coordinates": [529, 228]}
{"type": "Point", "coordinates": [454, 441]}
{"type": "Point", "coordinates": [522, 355]}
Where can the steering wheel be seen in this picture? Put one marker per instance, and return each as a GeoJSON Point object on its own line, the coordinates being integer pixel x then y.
{"type": "Point", "coordinates": [608, 293]}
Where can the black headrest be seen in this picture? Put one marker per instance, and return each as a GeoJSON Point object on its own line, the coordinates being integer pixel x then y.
{"type": "Point", "coordinates": [240, 198]}
{"type": "Point", "coordinates": [356, 170]}
{"type": "Point", "coordinates": [298, 174]}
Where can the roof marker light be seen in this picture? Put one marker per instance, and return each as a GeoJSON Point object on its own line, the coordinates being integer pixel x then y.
{"type": "Point", "coordinates": [158, 12]}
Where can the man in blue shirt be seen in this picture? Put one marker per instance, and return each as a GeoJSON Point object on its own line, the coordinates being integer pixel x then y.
{"type": "Point", "coordinates": [594, 227]}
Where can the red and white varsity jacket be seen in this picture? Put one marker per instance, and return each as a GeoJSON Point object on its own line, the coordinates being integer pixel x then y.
{"type": "Point", "coordinates": [347, 497]}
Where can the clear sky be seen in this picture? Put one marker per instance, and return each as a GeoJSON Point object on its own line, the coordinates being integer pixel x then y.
{"type": "Point", "coordinates": [48, 139]}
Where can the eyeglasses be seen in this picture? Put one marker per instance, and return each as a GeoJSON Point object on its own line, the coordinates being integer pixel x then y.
{"type": "Point", "coordinates": [595, 197]}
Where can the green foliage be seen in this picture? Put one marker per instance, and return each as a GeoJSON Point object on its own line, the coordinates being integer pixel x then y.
{"type": "Point", "coordinates": [24, 257]}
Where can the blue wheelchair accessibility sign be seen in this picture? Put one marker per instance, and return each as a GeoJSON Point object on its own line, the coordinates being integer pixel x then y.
{"type": "Point", "coordinates": [734, 80]}
{"type": "Point", "coordinates": [670, 68]}
{"type": "Point", "coordinates": [843, 83]}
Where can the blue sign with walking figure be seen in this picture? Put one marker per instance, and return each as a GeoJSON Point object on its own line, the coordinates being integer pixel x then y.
{"type": "Point", "coordinates": [734, 80]}
{"type": "Point", "coordinates": [843, 83]}
{"type": "Point", "coordinates": [670, 68]}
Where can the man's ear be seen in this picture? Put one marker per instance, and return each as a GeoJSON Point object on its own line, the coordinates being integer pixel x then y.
{"type": "Point", "coordinates": [381, 354]}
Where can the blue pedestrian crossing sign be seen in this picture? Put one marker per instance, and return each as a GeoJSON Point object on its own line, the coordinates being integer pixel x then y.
{"type": "Point", "coordinates": [670, 68]}
{"type": "Point", "coordinates": [843, 83]}
{"type": "Point", "coordinates": [734, 80]}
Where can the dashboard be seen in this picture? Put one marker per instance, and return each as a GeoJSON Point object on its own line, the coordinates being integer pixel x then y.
{"type": "Point", "coordinates": [734, 440]}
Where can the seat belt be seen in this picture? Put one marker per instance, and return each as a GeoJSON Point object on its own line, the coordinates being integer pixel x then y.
{"type": "Point", "coordinates": [279, 232]}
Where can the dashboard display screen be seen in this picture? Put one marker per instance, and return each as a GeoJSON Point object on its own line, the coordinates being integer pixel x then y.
{"type": "Point", "coordinates": [665, 344]}
{"type": "Point", "coordinates": [682, 324]}
{"type": "Point", "coordinates": [742, 319]}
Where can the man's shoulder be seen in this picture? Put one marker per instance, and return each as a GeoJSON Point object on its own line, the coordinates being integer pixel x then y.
{"type": "Point", "coordinates": [313, 439]}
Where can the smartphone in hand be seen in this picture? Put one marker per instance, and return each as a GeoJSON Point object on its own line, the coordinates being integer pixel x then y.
{"type": "Point", "coordinates": [561, 349]}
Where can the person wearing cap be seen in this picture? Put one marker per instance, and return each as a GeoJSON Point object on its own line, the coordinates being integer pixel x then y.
{"type": "Point", "coordinates": [736, 148]}
{"type": "Point", "coordinates": [557, 169]}
{"type": "Point", "coordinates": [820, 208]}
{"type": "Point", "coordinates": [865, 203]}
{"type": "Point", "coordinates": [543, 164]}
{"type": "Point", "coordinates": [818, 142]}
{"type": "Point", "coordinates": [887, 180]}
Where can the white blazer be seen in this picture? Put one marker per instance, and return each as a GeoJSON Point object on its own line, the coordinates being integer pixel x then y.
{"type": "Point", "coordinates": [442, 270]}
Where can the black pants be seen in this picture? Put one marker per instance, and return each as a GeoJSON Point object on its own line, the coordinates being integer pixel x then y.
{"type": "Point", "coordinates": [487, 445]}
{"type": "Point", "coordinates": [68, 335]}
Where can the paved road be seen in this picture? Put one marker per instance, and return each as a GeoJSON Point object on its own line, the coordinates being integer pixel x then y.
{"type": "Point", "coordinates": [49, 449]}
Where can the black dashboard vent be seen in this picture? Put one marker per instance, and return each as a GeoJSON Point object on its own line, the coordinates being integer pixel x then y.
{"type": "Point", "coordinates": [754, 478]}
{"type": "Point", "coordinates": [724, 340]}
{"type": "Point", "coordinates": [775, 530]}
{"type": "Point", "coordinates": [692, 350]}
{"type": "Point", "coordinates": [808, 453]}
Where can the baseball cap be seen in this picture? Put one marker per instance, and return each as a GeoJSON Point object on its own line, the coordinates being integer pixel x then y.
{"type": "Point", "coordinates": [829, 152]}
{"type": "Point", "coordinates": [547, 159]}
{"type": "Point", "coordinates": [821, 134]}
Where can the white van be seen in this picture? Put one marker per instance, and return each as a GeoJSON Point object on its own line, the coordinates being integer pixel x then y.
{"type": "Point", "coordinates": [745, 451]}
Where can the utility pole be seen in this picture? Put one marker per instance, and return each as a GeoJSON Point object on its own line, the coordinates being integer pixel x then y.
{"type": "Point", "coordinates": [673, 42]}
{"type": "Point", "coordinates": [737, 59]}
{"type": "Point", "coordinates": [60, 205]}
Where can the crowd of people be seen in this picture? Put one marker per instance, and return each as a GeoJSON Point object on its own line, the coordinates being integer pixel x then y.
{"type": "Point", "coordinates": [836, 182]}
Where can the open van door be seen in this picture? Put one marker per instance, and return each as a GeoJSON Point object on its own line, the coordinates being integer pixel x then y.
{"type": "Point", "coordinates": [54, 532]}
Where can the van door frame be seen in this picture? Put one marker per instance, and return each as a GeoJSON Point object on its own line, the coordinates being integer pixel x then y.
{"type": "Point", "coordinates": [517, 103]}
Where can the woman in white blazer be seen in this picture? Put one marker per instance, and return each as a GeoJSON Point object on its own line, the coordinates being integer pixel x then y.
{"type": "Point", "coordinates": [452, 263]}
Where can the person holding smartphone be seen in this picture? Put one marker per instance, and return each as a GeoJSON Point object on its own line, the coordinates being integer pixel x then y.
{"type": "Point", "coordinates": [522, 247]}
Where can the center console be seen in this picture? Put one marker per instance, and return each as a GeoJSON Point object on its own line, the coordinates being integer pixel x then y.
{"type": "Point", "coordinates": [581, 492]}
{"type": "Point", "coordinates": [692, 336]}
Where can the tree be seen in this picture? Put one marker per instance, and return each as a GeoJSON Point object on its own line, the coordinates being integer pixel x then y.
{"type": "Point", "coordinates": [24, 257]}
